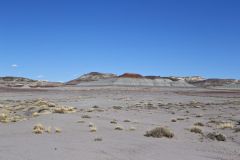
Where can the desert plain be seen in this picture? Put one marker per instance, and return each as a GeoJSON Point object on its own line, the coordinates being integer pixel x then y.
{"type": "Point", "coordinates": [118, 122]}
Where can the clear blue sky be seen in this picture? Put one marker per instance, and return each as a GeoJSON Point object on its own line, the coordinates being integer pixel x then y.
{"type": "Point", "coordinates": [58, 40]}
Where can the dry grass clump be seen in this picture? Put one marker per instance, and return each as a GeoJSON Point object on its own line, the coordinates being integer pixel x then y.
{"type": "Point", "coordinates": [86, 116]}
{"type": "Point", "coordinates": [98, 139]}
{"type": "Point", "coordinates": [4, 118]}
{"type": "Point", "coordinates": [90, 110]}
{"type": "Point", "coordinates": [132, 129]}
{"type": "Point", "coordinates": [90, 124]}
{"type": "Point", "coordinates": [48, 129]}
{"type": "Point", "coordinates": [93, 129]}
{"type": "Point", "coordinates": [95, 106]}
{"type": "Point", "coordinates": [113, 121]}
{"type": "Point", "coordinates": [159, 132]}
{"type": "Point", "coordinates": [199, 115]}
{"type": "Point", "coordinates": [41, 102]}
{"type": "Point", "coordinates": [196, 130]}
{"type": "Point", "coordinates": [64, 110]}
{"type": "Point", "coordinates": [199, 124]}
{"type": "Point", "coordinates": [58, 130]}
{"type": "Point", "coordinates": [237, 130]}
{"type": "Point", "coordinates": [81, 121]}
{"type": "Point", "coordinates": [180, 119]}
{"type": "Point", "coordinates": [38, 128]}
{"type": "Point", "coordinates": [119, 128]}
{"type": "Point", "coordinates": [117, 107]}
{"type": "Point", "coordinates": [216, 136]}
{"type": "Point", "coordinates": [35, 114]}
{"type": "Point", "coordinates": [225, 125]}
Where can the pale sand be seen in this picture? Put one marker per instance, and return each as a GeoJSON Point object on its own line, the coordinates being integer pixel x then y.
{"type": "Point", "coordinates": [17, 142]}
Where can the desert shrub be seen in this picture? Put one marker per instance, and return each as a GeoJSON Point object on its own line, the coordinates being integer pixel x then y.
{"type": "Point", "coordinates": [132, 129]}
{"type": "Point", "coordinates": [97, 139]}
{"type": "Point", "coordinates": [38, 128]}
{"type": "Point", "coordinates": [225, 125]}
{"type": "Point", "coordinates": [64, 110]}
{"type": "Point", "coordinates": [159, 132]}
{"type": "Point", "coordinates": [86, 116]}
{"type": "Point", "coordinates": [4, 118]}
{"type": "Point", "coordinates": [58, 130]}
{"type": "Point", "coordinates": [199, 124]}
{"type": "Point", "coordinates": [113, 121]}
{"type": "Point", "coordinates": [180, 119]}
{"type": "Point", "coordinates": [93, 129]}
{"type": "Point", "coordinates": [117, 107]}
{"type": "Point", "coordinates": [126, 120]}
{"type": "Point", "coordinates": [119, 128]}
{"type": "Point", "coordinates": [237, 130]}
{"type": "Point", "coordinates": [216, 136]}
{"type": "Point", "coordinates": [196, 130]}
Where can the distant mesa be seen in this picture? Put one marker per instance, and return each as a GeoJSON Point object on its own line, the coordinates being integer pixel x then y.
{"type": "Point", "coordinates": [126, 79]}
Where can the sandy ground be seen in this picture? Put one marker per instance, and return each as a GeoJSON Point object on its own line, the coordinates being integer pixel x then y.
{"type": "Point", "coordinates": [137, 110]}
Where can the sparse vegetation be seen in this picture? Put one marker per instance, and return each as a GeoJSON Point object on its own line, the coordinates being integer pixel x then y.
{"type": "Point", "coordinates": [119, 128]}
{"type": "Point", "coordinates": [159, 132]}
{"type": "Point", "coordinates": [216, 136]}
{"type": "Point", "coordinates": [81, 121]}
{"type": "Point", "coordinates": [98, 139]}
{"type": "Point", "coordinates": [4, 118]}
{"type": "Point", "coordinates": [93, 129]}
{"type": "Point", "coordinates": [86, 116]}
{"type": "Point", "coordinates": [58, 130]}
{"type": "Point", "coordinates": [198, 115]}
{"type": "Point", "coordinates": [38, 128]}
{"type": "Point", "coordinates": [199, 124]}
{"type": "Point", "coordinates": [180, 119]}
{"type": "Point", "coordinates": [196, 130]}
{"type": "Point", "coordinates": [113, 121]}
{"type": "Point", "coordinates": [126, 120]}
{"type": "Point", "coordinates": [132, 129]}
{"type": "Point", "coordinates": [225, 125]}
{"type": "Point", "coordinates": [64, 110]}
{"type": "Point", "coordinates": [48, 129]}
{"type": "Point", "coordinates": [90, 124]}
{"type": "Point", "coordinates": [117, 107]}
{"type": "Point", "coordinates": [237, 130]}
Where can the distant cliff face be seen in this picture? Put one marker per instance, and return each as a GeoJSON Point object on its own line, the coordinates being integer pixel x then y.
{"type": "Point", "coordinates": [92, 76]}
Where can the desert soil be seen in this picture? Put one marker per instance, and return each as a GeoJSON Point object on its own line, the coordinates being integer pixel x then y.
{"type": "Point", "coordinates": [89, 130]}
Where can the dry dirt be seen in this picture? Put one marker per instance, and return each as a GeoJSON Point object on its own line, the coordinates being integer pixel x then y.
{"type": "Point", "coordinates": [109, 123]}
